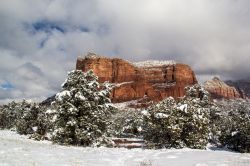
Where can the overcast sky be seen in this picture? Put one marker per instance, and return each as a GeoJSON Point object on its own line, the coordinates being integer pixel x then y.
{"type": "Point", "coordinates": [41, 39]}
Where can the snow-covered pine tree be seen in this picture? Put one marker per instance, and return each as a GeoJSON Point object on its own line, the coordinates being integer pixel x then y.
{"type": "Point", "coordinates": [26, 123]}
{"type": "Point", "coordinates": [196, 107]}
{"type": "Point", "coordinates": [26, 118]}
{"type": "Point", "coordinates": [3, 119]}
{"type": "Point", "coordinates": [126, 123]}
{"type": "Point", "coordinates": [82, 110]}
{"type": "Point", "coordinates": [163, 125]}
{"type": "Point", "coordinates": [178, 124]}
{"type": "Point", "coordinates": [9, 114]}
{"type": "Point", "coordinates": [44, 123]}
{"type": "Point", "coordinates": [231, 124]}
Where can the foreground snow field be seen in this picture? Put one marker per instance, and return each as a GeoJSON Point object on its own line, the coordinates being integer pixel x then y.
{"type": "Point", "coordinates": [18, 150]}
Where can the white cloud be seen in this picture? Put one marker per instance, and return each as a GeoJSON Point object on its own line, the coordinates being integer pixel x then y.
{"type": "Point", "coordinates": [211, 36]}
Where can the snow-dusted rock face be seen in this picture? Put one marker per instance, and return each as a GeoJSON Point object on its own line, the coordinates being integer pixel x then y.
{"type": "Point", "coordinates": [219, 89]}
{"type": "Point", "coordinates": [146, 81]}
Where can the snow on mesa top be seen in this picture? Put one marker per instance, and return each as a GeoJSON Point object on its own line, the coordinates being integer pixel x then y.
{"type": "Point", "coordinates": [153, 63]}
{"type": "Point", "coordinates": [147, 63]}
{"type": "Point", "coordinates": [90, 55]}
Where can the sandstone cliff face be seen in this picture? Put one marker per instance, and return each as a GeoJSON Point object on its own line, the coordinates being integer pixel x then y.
{"type": "Point", "coordinates": [145, 82]}
{"type": "Point", "coordinates": [219, 89]}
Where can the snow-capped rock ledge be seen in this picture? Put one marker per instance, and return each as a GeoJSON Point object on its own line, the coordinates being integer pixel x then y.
{"type": "Point", "coordinates": [153, 63]}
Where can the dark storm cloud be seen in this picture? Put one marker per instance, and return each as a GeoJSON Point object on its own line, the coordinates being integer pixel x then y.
{"type": "Point", "coordinates": [40, 40]}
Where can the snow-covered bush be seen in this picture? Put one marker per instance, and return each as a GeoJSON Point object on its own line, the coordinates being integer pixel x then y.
{"type": "Point", "coordinates": [27, 122]}
{"type": "Point", "coordinates": [9, 114]}
{"type": "Point", "coordinates": [4, 123]}
{"type": "Point", "coordinates": [82, 110]}
{"type": "Point", "coordinates": [26, 118]}
{"type": "Point", "coordinates": [163, 125]}
{"type": "Point", "coordinates": [42, 128]}
{"type": "Point", "coordinates": [231, 124]}
{"type": "Point", "coordinates": [196, 116]}
{"type": "Point", "coordinates": [126, 123]}
{"type": "Point", "coordinates": [178, 124]}
{"type": "Point", "coordinates": [21, 116]}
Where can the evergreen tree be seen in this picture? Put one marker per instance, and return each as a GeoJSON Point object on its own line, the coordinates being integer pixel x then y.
{"type": "Point", "coordinates": [232, 124]}
{"type": "Point", "coordinates": [178, 124]}
{"type": "Point", "coordinates": [82, 110]}
{"type": "Point", "coordinates": [26, 123]}
{"type": "Point", "coordinates": [196, 115]}
{"type": "Point", "coordinates": [44, 123]}
{"type": "Point", "coordinates": [9, 115]}
{"type": "Point", "coordinates": [126, 123]}
{"type": "Point", "coordinates": [163, 125]}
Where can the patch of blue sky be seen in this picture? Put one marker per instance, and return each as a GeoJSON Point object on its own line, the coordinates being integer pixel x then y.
{"type": "Point", "coordinates": [7, 86]}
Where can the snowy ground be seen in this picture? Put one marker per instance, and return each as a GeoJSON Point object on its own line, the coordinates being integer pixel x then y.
{"type": "Point", "coordinates": [18, 150]}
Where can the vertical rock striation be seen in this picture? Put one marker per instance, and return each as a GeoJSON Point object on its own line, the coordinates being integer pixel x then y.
{"type": "Point", "coordinates": [144, 81]}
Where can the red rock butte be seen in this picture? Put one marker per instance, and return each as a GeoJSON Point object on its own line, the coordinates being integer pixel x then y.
{"type": "Point", "coordinates": [219, 89]}
{"type": "Point", "coordinates": [147, 81]}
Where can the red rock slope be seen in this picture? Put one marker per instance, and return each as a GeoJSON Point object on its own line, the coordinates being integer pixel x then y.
{"type": "Point", "coordinates": [149, 80]}
{"type": "Point", "coordinates": [219, 89]}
